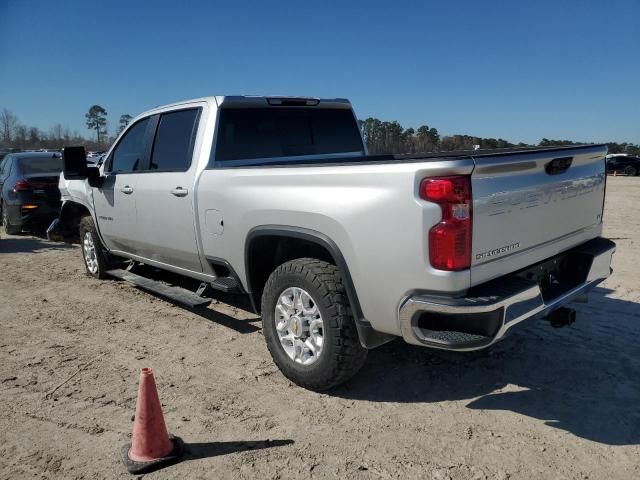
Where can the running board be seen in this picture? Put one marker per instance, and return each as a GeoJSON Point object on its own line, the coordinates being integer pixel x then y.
{"type": "Point", "coordinates": [177, 294]}
{"type": "Point", "coordinates": [226, 284]}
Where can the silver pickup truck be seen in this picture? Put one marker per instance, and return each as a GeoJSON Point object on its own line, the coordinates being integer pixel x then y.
{"type": "Point", "coordinates": [276, 198]}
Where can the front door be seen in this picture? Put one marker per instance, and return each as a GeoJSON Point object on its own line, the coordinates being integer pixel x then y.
{"type": "Point", "coordinates": [115, 201]}
{"type": "Point", "coordinates": [165, 194]}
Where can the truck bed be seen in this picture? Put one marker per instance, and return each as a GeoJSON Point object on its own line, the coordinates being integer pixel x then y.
{"type": "Point", "coordinates": [336, 160]}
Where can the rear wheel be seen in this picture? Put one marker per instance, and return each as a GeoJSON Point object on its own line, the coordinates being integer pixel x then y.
{"type": "Point", "coordinates": [96, 257]}
{"type": "Point", "coordinates": [308, 326]}
{"type": "Point", "coordinates": [8, 227]}
{"type": "Point", "coordinates": [630, 170]}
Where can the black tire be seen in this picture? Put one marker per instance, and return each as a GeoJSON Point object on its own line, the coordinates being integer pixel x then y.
{"type": "Point", "coordinates": [8, 227]}
{"type": "Point", "coordinates": [102, 257]}
{"type": "Point", "coordinates": [630, 170]}
{"type": "Point", "coordinates": [342, 354]}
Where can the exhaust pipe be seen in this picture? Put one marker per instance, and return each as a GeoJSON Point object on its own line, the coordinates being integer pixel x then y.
{"type": "Point", "coordinates": [561, 317]}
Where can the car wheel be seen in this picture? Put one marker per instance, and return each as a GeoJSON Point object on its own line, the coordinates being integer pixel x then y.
{"type": "Point", "coordinates": [96, 257]}
{"type": "Point", "coordinates": [308, 325]}
{"type": "Point", "coordinates": [8, 227]}
{"type": "Point", "coordinates": [630, 170]}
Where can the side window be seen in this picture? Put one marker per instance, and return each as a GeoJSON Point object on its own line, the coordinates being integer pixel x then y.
{"type": "Point", "coordinates": [173, 145]}
{"type": "Point", "coordinates": [129, 153]}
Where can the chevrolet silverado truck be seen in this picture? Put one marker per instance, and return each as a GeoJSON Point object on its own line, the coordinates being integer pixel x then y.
{"type": "Point", "coordinates": [339, 251]}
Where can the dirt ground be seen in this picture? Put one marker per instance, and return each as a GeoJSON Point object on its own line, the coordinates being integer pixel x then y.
{"type": "Point", "coordinates": [545, 403]}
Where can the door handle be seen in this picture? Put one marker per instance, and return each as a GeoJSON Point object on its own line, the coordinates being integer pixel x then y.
{"type": "Point", "coordinates": [127, 189]}
{"type": "Point", "coordinates": [179, 192]}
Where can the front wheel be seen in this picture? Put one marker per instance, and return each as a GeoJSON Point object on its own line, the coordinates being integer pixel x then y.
{"type": "Point", "coordinates": [631, 171]}
{"type": "Point", "coordinates": [95, 256]}
{"type": "Point", "coordinates": [308, 326]}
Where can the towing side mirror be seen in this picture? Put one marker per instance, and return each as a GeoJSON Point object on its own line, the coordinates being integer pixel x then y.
{"type": "Point", "coordinates": [94, 178]}
{"type": "Point", "coordinates": [76, 168]}
{"type": "Point", "coordinates": [75, 163]}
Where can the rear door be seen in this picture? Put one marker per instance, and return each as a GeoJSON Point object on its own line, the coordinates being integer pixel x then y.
{"type": "Point", "coordinates": [165, 196]}
{"type": "Point", "coordinates": [531, 206]}
{"type": "Point", "coordinates": [115, 201]}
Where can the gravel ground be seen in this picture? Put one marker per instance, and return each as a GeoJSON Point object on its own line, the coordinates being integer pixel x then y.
{"type": "Point", "coordinates": [544, 403]}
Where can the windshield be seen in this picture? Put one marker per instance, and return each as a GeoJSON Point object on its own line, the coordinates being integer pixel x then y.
{"type": "Point", "coordinates": [30, 165]}
{"type": "Point", "coordinates": [251, 133]}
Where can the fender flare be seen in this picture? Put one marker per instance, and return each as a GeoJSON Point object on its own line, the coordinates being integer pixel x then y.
{"type": "Point", "coordinates": [369, 338]}
{"type": "Point", "coordinates": [66, 204]}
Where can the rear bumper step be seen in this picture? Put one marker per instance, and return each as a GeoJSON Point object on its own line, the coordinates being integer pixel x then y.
{"type": "Point", "coordinates": [488, 311]}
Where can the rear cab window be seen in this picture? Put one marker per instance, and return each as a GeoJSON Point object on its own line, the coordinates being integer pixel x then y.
{"type": "Point", "coordinates": [246, 133]}
{"type": "Point", "coordinates": [174, 140]}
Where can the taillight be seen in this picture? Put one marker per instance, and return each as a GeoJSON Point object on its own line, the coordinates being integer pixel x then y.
{"type": "Point", "coordinates": [22, 186]}
{"type": "Point", "coordinates": [450, 239]}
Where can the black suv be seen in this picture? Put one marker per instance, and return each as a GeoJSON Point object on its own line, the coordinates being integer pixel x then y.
{"type": "Point", "coordinates": [29, 191]}
{"type": "Point", "coordinates": [624, 163]}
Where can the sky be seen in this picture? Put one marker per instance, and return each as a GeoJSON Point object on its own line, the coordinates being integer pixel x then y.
{"type": "Point", "coordinates": [516, 69]}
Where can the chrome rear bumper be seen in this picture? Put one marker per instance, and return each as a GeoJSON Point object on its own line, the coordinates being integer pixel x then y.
{"type": "Point", "coordinates": [502, 305]}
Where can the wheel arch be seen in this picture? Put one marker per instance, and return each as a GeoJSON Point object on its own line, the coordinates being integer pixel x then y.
{"type": "Point", "coordinates": [288, 243]}
{"type": "Point", "coordinates": [71, 213]}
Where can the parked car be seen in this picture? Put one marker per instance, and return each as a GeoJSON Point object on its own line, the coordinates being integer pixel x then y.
{"type": "Point", "coordinates": [29, 193]}
{"type": "Point", "coordinates": [627, 164]}
{"type": "Point", "coordinates": [276, 198]}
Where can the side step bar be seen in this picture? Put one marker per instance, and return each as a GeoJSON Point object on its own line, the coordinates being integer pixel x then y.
{"type": "Point", "coordinates": [222, 284]}
{"type": "Point", "coordinates": [177, 294]}
{"type": "Point", "coordinates": [226, 284]}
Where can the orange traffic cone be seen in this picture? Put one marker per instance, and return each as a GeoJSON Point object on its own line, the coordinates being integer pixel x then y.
{"type": "Point", "coordinates": [151, 446]}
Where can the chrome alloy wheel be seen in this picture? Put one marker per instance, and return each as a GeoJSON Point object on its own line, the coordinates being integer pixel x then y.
{"type": "Point", "coordinates": [299, 326]}
{"type": "Point", "coordinates": [90, 253]}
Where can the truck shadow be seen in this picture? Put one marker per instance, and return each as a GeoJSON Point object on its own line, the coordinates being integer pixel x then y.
{"type": "Point", "coordinates": [582, 379]}
{"type": "Point", "coordinates": [211, 313]}
{"type": "Point", "coordinates": [240, 326]}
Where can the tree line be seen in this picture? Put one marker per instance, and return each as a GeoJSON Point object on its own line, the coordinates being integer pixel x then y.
{"type": "Point", "coordinates": [381, 136]}
{"type": "Point", "coordinates": [384, 137]}
{"type": "Point", "coordinates": [15, 134]}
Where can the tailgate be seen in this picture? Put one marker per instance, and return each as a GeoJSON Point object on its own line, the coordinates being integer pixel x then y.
{"type": "Point", "coordinates": [529, 206]}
